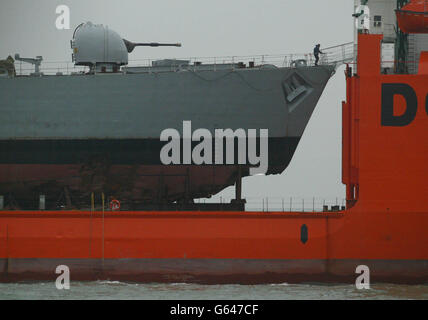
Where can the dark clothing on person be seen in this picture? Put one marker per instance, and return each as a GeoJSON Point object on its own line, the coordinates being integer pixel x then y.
{"type": "Point", "coordinates": [317, 52]}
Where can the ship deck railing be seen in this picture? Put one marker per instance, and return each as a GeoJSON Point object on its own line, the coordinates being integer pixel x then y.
{"type": "Point", "coordinates": [335, 55]}
{"type": "Point", "coordinates": [284, 204]}
{"type": "Point", "coordinates": [221, 203]}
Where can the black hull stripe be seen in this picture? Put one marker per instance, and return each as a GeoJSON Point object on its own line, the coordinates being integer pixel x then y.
{"type": "Point", "coordinates": [115, 151]}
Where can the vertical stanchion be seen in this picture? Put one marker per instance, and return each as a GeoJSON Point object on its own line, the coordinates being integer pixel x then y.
{"type": "Point", "coordinates": [90, 224]}
{"type": "Point", "coordinates": [6, 267]}
{"type": "Point", "coordinates": [102, 248]}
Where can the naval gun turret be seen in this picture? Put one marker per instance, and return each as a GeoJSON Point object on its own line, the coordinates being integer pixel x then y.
{"type": "Point", "coordinates": [103, 49]}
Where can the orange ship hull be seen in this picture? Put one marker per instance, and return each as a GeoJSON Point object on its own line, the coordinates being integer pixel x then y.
{"type": "Point", "coordinates": [385, 157]}
{"type": "Point", "coordinates": [214, 247]}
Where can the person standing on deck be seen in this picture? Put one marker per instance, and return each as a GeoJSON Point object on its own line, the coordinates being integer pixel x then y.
{"type": "Point", "coordinates": [317, 52]}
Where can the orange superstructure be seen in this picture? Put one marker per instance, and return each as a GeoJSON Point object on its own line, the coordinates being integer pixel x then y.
{"type": "Point", "coordinates": [385, 157]}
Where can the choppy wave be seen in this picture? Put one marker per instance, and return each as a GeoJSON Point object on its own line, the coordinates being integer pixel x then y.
{"type": "Point", "coordinates": [179, 291]}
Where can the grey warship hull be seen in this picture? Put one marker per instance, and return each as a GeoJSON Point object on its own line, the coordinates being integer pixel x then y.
{"type": "Point", "coordinates": [79, 134]}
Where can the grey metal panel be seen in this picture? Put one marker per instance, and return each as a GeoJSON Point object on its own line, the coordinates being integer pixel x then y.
{"type": "Point", "coordinates": [142, 105]}
{"type": "Point", "coordinates": [417, 44]}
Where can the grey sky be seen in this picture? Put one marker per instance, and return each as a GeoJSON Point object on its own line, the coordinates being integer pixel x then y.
{"type": "Point", "coordinates": [212, 28]}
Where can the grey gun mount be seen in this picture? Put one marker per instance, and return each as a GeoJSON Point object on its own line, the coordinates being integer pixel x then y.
{"type": "Point", "coordinates": [130, 46]}
{"type": "Point", "coordinates": [103, 49]}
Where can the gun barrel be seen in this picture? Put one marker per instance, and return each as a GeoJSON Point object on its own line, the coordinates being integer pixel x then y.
{"type": "Point", "coordinates": [155, 44]}
{"type": "Point", "coordinates": [130, 46]}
